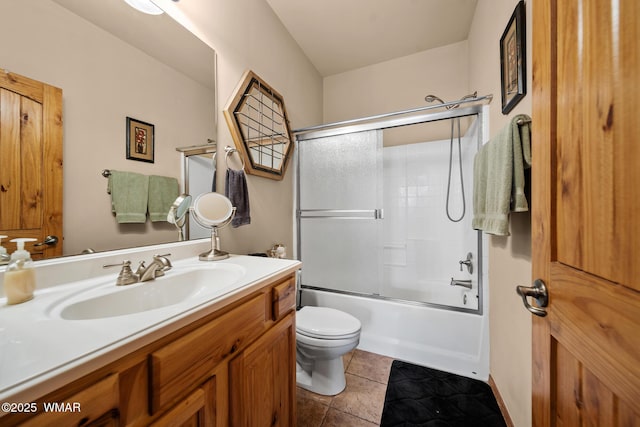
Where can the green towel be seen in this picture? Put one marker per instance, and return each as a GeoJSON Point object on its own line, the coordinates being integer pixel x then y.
{"type": "Point", "coordinates": [498, 177]}
{"type": "Point", "coordinates": [163, 191]}
{"type": "Point", "coordinates": [129, 193]}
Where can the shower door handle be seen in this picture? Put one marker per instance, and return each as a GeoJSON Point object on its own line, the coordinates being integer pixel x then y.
{"type": "Point", "coordinates": [539, 292]}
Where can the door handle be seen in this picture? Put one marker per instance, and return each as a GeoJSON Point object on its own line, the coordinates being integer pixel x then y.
{"type": "Point", "coordinates": [539, 292]}
{"type": "Point", "coordinates": [48, 241]}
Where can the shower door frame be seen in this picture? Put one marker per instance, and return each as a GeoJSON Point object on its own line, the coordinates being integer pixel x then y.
{"type": "Point", "coordinates": [383, 122]}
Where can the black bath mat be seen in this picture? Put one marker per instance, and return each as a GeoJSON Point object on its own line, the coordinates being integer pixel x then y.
{"type": "Point", "coordinates": [419, 396]}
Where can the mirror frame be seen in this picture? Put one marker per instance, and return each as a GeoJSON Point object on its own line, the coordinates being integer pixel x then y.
{"type": "Point", "coordinates": [239, 108]}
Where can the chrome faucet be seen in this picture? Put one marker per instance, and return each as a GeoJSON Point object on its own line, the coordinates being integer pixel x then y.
{"type": "Point", "coordinates": [156, 268]}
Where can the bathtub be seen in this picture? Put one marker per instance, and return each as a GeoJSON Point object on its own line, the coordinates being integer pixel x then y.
{"type": "Point", "coordinates": [439, 338]}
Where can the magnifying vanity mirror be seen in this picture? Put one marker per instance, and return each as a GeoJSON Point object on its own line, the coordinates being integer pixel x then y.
{"type": "Point", "coordinates": [259, 126]}
{"type": "Point", "coordinates": [178, 213]}
{"type": "Point", "coordinates": [214, 211]}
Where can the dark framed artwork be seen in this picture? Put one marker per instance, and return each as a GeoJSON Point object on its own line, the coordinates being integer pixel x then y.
{"type": "Point", "coordinates": [140, 140]}
{"type": "Point", "coordinates": [513, 60]}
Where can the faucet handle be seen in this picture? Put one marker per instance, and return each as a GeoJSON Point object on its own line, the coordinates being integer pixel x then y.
{"type": "Point", "coordinates": [141, 268]}
{"type": "Point", "coordinates": [126, 276]}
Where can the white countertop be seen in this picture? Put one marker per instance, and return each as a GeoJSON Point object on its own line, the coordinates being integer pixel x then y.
{"type": "Point", "coordinates": [40, 351]}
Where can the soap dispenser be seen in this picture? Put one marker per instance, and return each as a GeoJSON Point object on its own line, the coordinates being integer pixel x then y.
{"type": "Point", "coordinates": [19, 279]}
{"type": "Point", "coordinates": [4, 257]}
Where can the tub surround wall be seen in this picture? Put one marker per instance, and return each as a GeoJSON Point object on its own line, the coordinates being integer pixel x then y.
{"type": "Point", "coordinates": [422, 246]}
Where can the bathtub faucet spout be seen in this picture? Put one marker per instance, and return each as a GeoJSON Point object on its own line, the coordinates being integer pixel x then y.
{"type": "Point", "coordinates": [463, 283]}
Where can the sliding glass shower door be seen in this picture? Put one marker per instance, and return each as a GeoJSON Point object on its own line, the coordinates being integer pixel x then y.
{"type": "Point", "coordinates": [340, 212]}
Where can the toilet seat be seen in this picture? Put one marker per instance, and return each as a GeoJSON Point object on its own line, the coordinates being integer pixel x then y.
{"type": "Point", "coordinates": [326, 323]}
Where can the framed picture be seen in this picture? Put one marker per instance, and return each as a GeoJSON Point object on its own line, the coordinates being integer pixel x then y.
{"type": "Point", "coordinates": [513, 60]}
{"type": "Point", "coordinates": [140, 140]}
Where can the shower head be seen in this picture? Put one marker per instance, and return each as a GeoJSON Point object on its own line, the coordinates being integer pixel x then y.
{"type": "Point", "coordinates": [432, 98]}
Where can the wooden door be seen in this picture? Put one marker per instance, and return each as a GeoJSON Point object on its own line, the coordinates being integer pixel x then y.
{"type": "Point", "coordinates": [262, 379]}
{"type": "Point", "coordinates": [30, 162]}
{"type": "Point", "coordinates": [586, 212]}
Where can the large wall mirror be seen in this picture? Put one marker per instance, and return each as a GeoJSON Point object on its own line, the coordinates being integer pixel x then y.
{"type": "Point", "coordinates": [112, 62]}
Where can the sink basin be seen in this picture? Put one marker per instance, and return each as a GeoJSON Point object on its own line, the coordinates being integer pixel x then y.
{"type": "Point", "coordinates": [202, 283]}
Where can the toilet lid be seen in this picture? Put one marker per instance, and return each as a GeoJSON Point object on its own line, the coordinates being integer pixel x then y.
{"type": "Point", "coordinates": [324, 322]}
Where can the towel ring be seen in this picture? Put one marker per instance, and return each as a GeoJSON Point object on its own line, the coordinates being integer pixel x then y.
{"type": "Point", "coordinates": [230, 151]}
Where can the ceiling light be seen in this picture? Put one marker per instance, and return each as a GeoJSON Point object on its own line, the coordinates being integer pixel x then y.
{"type": "Point", "coordinates": [145, 6]}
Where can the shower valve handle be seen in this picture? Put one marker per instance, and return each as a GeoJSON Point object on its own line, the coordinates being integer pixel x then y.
{"type": "Point", "coordinates": [468, 263]}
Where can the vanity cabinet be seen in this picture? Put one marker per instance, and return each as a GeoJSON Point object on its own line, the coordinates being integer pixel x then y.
{"type": "Point", "coordinates": [262, 381]}
{"type": "Point", "coordinates": [231, 366]}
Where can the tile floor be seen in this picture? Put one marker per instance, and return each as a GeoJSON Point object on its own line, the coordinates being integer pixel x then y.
{"type": "Point", "coordinates": [361, 402]}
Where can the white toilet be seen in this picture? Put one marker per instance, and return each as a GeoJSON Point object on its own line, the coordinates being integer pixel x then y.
{"type": "Point", "coordinates": [323, 336]}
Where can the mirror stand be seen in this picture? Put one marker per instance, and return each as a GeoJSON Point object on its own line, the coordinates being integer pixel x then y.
{"type": "Point", "coordinates": [213, 210]}
{"type": "Point", "coordinates": [215, 254]}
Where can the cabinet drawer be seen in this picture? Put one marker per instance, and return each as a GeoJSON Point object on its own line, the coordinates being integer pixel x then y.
{"type": "Point", "coordinates": [181, 365]}
{"type": "Point", "coordinates": [284, 298]}
{"type": "Point", "coordinates": [96, 402]}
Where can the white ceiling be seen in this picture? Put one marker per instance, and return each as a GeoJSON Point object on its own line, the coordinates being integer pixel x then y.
{"type": "Point", "coordinates": [342, 35]}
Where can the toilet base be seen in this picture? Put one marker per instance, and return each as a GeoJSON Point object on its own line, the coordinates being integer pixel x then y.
{"type": "Point", "coordinates": [325, 377]}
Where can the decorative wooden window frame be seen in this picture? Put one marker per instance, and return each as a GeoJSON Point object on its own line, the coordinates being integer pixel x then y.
{"type": "Point", "coordinates": [259, 125]}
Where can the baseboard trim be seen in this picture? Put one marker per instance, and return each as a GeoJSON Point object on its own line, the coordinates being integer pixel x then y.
{"type": "Point", "coordinates": [501, 405]}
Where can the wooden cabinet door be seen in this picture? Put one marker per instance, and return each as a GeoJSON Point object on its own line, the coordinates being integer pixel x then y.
{"type": "Point", "coordinates": [30, 162]}
{"type": "Point", "coordinates": [263, 379]}
{"type": "Point", "coordinates": [196, 410]}
{"type": "Point", "coordinates": [586, 212]}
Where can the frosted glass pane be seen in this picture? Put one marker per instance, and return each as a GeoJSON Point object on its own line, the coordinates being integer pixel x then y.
{"type": "Point", "coordinates": [200, 181]}
{"type": "Point", "coordinates": [340, 172]}
{"type": "Point", "coordinates": [341, 254]}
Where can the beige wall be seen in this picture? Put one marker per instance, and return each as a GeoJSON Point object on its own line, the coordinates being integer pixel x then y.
{"type": "Point", "coordinates": [247, 35]}
{"type": "Point", "coordinates": [509, 257]}
{"type": "Point", "coordinates": [451, 72]}
{"type": "Point", "coordinates": [397, 85]}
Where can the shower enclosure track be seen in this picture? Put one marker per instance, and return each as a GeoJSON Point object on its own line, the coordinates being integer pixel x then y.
{"type": "Point", "coordinates": [388, 117]}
